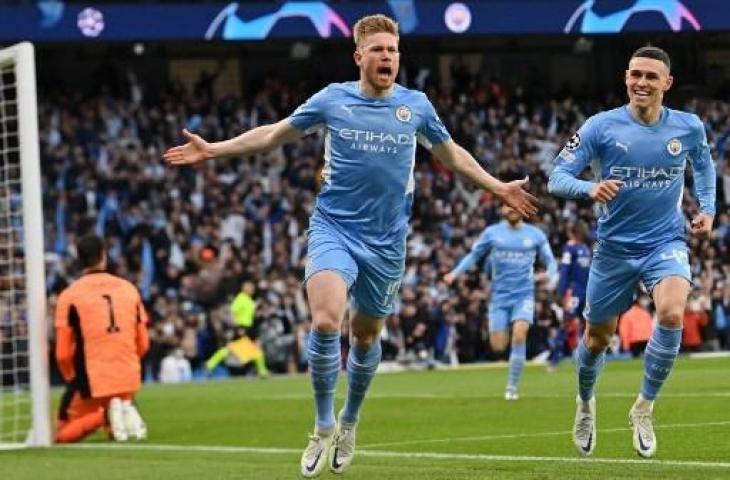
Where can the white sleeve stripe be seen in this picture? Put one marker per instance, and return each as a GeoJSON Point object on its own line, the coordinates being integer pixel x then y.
{"type": "Point", "coordinates": [425, 142]}
{"type": "Point", "coordinates": [327, 169]}
{"type": "Point", "coordinates": [314, 128]}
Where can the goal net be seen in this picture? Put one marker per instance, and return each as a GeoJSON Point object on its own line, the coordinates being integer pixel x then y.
{"type": "Point", "coordinates": [24, 405]}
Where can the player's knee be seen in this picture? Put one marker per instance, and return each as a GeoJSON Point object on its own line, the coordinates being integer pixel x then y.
{"type": "Point", "coordinates": [598, 341]}
{"type": "Point", "coordinates": [498, 347]}
{"type": "Point", "coordinates": [365, 340]}
{"type": "Point", "coordinates": [326, 321]}
{"type": "Point", "coordinates": [64, 437]}
{"type": "Point", "coordinates": [670, 317]}
{"type": "Point", "coordinates": [519, 335]}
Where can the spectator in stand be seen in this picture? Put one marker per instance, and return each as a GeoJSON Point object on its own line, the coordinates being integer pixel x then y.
{"type": "Point", "coordinates": [694, 321]}
{"type": "Point", "coordinates": [392, 339]}
{"type": "Point", "coordinates": [175, 368]}
{"type": "Point", "coordinates": [635, 327]}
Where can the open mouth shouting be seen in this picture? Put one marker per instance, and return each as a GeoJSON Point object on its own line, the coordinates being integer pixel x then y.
{"type": "Point", "coordinates": [384, 73]}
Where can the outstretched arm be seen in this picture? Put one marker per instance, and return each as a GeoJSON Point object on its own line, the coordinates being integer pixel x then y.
{"type": "Point", "coordinates": [479, 250]}
{"type": "Point", "coordinates": [548, 259]}
{"type": "Point", "coordinates": [258, 140]}
{"type": "Point", "coordinates": [465, 264]}
{"type": "Point", "coordinates": [458, 160]}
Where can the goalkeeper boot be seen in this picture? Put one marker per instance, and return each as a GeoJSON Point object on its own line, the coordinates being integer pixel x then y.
{"type": "Point", "coordinates": [115, 417]}
{"type": "Point", "coordinates": [135, 426]}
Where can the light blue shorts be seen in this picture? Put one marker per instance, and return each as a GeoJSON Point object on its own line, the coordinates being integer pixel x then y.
{"type": "Point", "coordinates": [373, 275]}
{"type": "Point", "coordinates": [503, 313]}
{"type": "Point", "coordinates": [615, 274]}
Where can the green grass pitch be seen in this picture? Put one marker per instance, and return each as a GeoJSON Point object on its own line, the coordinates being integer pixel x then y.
{"type": "Point", "coordinates": [444, 424]}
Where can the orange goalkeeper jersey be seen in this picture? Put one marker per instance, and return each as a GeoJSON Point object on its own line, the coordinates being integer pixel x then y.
{"type": "Point", "coordinates": [101, 335]}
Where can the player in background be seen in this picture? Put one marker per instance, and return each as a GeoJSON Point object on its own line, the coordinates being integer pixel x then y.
{"type": "Point", "coordinates": [638, 153]}
{"type": "Point", "coordinates": [573, 278]}
{"type": "Point", "coordinates": [101, 336]}
{"type": "Point", "coordinates": [357, 232]}
{"type": "Point", "coordinates": [508, 251]}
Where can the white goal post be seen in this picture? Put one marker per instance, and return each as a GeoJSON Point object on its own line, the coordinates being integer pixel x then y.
{"type": "Point", "coordinates": [24, 386]}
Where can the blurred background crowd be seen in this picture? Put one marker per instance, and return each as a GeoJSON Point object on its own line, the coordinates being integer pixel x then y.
{"type": "Point", "coordinates": [218, 251]}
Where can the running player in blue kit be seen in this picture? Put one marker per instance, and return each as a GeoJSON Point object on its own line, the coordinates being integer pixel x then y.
{"type": "Point", "coordinates": [508, 251]}
{"type": "Point", "coordinates": [638, 154]}
{"type": "Point", "coordinates": [357, 232]}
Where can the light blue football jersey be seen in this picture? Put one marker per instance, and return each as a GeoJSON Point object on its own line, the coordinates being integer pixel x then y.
{"type": "Point", "coordinates": [508, 255]}
{"type": "Point", "coordinates": [651, 161]}
{"type": "Point", "coordinates": [370, 149]}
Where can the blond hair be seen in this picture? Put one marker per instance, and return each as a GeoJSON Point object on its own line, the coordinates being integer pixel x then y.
{"type": "Point", "coordinates": [372, 24]}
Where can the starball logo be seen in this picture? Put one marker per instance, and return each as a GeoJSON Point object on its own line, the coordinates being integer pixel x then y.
{"type": "Point", "coordinates": [675, 13]}
{"type": "Point", "coordinates": [322, 16]}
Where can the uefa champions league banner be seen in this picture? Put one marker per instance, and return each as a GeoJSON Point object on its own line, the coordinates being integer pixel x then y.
{"type": "Point", "coordinates": [53, 20]}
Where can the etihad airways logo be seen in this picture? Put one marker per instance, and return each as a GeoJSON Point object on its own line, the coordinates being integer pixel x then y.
{"type": "Point", "coordinates": [371, 136]}
{"type": "Point", "coordinates": [514, 255]}
{"type": "Point", "coordinates": [377, 142]}
{"type": "Point", "coordinates": [652, 177]}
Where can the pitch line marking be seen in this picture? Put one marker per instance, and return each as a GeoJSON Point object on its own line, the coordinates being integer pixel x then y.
{"type": "Point", "coordinates": [386, 454]}
{"type": "Point", "coordinates": [536, 434]}
{"type": "Point", "coordinates": [441, 396]}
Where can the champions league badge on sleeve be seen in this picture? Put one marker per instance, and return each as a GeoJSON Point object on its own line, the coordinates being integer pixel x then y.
{"type": "Point", "coordinates": [573, 143]}
{"type": "Point", "coordinates": [566, 155]}
{"type": "Point", "coordinates": [403, 113]}
{"type": "Point", "coordinates": [674, 147]}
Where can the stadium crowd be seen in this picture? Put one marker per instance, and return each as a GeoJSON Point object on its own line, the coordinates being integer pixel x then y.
{"type": "Point", "coordinates": [190, 238]}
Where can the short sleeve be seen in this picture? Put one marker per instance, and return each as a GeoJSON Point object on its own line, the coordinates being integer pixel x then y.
{"type": "Point", "coordinates": [310, 115]}
{"type": "Point", "coordinates": [432, 129]}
